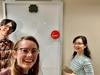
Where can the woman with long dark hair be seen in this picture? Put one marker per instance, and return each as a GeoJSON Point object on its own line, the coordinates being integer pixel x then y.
{"type": "Point", "coordinates": [81, 59]}
{"type": "Point", "coordinates": [26, 58]}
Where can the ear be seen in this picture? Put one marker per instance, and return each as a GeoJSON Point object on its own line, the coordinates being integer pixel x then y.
{"type": "Point", "coordinates": [14, 54]}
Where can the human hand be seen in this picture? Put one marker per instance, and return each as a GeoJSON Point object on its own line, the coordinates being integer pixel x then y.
{"type": "Point", "coordinates": [67, 69]}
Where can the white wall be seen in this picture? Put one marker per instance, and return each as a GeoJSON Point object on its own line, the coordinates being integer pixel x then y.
{"type": "Point", "coordinates": [1, 10]}
{"type": "Point", "coordinates": [40, 25]}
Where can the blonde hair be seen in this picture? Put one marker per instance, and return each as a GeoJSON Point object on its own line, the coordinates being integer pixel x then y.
{"type": "Point", "coordinates": [35, 68]}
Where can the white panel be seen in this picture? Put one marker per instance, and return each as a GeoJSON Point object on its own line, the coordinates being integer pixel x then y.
{"type": "Point", "coordinates": [40, 25]}
{"type": "Point", "coordinates": [32, 0]}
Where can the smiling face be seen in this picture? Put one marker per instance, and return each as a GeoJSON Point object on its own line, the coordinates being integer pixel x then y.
{"type": "Point", "coordinates": [6, 29]}
{"type": "Point", "coordinates": [26, 54]}
{"type": "Point", "coordinates": [79, 46]}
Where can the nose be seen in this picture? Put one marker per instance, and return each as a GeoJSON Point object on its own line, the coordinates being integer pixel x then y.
{"type": "Point", "coordinates": [29, 54]}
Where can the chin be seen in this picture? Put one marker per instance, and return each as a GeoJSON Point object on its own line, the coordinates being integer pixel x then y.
{"type": "Point", "coordinates": [28, 66]}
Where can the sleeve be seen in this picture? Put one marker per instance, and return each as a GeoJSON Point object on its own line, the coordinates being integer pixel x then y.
{"type": "Point", "coordinates": [88, 67]}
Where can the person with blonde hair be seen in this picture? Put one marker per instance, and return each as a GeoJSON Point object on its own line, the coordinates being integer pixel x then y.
{"type": "Point", "coordinates": [26, 58]}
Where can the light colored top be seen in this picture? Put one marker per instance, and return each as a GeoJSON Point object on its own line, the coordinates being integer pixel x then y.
{"type": "Point", "coordinates": [81, 65]}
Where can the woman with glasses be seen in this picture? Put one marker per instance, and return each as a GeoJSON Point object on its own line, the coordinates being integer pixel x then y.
{"type": "Point", "coordinates": [81, 59]}
{"type": "Point", "coordinates": [26, 58]}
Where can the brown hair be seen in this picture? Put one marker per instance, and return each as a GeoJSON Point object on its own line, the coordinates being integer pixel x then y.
{"type": "Point", "coordinates": [5, 21]}
{"type": "Point", "coordinates": [35, 68]}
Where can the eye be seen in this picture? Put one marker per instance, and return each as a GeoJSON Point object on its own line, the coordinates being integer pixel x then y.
{"type": "Point", "coordinates": [78, 43]}
{"type": "Point", "coordinates": [24, 50]}
{"type": "Point", "coordinates": [34, 50]}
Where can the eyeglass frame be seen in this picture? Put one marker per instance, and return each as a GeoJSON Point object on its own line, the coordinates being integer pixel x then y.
{"type": "Point", "coordinates": [26, 50]}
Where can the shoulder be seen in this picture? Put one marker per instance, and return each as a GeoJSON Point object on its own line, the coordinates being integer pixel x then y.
{"type": "Point", "coordinates": [6, 41]}
{"type": "Point", "coordinates": [82, 59]}
{"type": "Point", "coordinates": [6, 72]}
{"type": "Point", "coordinates": [87, 60]}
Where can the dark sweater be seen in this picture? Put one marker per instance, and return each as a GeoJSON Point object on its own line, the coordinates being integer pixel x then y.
{"type": "Point", "coordinates": [17, 70]}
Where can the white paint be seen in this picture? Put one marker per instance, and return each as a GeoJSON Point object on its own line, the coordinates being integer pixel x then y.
{"type": "Point", "coordinates": [40, 25]}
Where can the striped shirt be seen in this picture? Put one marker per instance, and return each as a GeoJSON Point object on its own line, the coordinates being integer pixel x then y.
{"type": "Point", "coordinates": [81, 65]}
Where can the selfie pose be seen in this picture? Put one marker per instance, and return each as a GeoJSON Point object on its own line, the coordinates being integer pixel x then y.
{"type": "Point", "coordinates": [26, 58]}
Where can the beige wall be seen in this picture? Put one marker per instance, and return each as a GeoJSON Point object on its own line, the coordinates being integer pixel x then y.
{"type": "Point", "coordinates": [81, 17]}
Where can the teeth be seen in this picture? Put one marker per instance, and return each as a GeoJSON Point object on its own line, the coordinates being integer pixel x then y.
{"type": "Point", "coordinates": [28, 60]}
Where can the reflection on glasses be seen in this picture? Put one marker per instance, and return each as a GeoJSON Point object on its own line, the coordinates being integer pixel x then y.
{"type": "Point", "coordinates": [26, 50]}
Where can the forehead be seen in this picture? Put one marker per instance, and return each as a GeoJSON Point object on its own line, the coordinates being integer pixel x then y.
{"type": "Point", "coordinates": [78, 40]}
{"type": "Point", "coordinates": [27, 43]}
{"type": "Point", "coordinates": [9, 24]}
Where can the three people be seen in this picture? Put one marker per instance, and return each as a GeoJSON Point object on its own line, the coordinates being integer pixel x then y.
{"type": "Point", "coordinates": [7, 26]}
{"type": "Point", "coordinates": [26, 53]}
{"type": "Point", "coordinates": [26, 57]}
{"type": "Point", "coordinates": [81, 58]}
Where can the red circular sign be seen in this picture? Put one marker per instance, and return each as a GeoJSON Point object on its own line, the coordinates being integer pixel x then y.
{"type": "Point", "coordinates": [55, 34]}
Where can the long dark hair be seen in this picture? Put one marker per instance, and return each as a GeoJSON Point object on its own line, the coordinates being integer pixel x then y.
{"type": "Point", "coordinates": [35, 68]}
{"type": "Point", "coordinates": [86, 50]}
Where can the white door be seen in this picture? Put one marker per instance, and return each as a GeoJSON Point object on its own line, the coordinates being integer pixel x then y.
{"type": "Point", "coordinates": [40, 24]}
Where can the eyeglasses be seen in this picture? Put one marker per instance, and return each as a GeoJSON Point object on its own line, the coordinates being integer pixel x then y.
{"type": "Point", "coordinates": [78, 43]}
{"type": "Point", "coordinates": [26, 50]}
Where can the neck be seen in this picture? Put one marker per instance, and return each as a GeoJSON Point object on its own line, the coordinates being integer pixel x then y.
{"type": "Point", "coordinates": [19, 70]}
{"type": "Point", "coordinates": [26, 71]}
{"type": "Point", "coordinates": [80, 53]}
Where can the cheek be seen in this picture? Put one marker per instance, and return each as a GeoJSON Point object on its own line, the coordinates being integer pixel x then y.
{"type": "Point", "coordinates": [84, 47]}
{"type": "Point", "coordinates": [75, 46]}
{"type": "Point", "coordinates": [20, 57]}
{"type": "Point", "coordinates": [35, 58]}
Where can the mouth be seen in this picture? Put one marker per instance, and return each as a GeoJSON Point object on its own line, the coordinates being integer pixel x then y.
{"type": "Point", "coordinates": [77, 48]}
{"type": "Point", "coordinates": [28, 60]}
